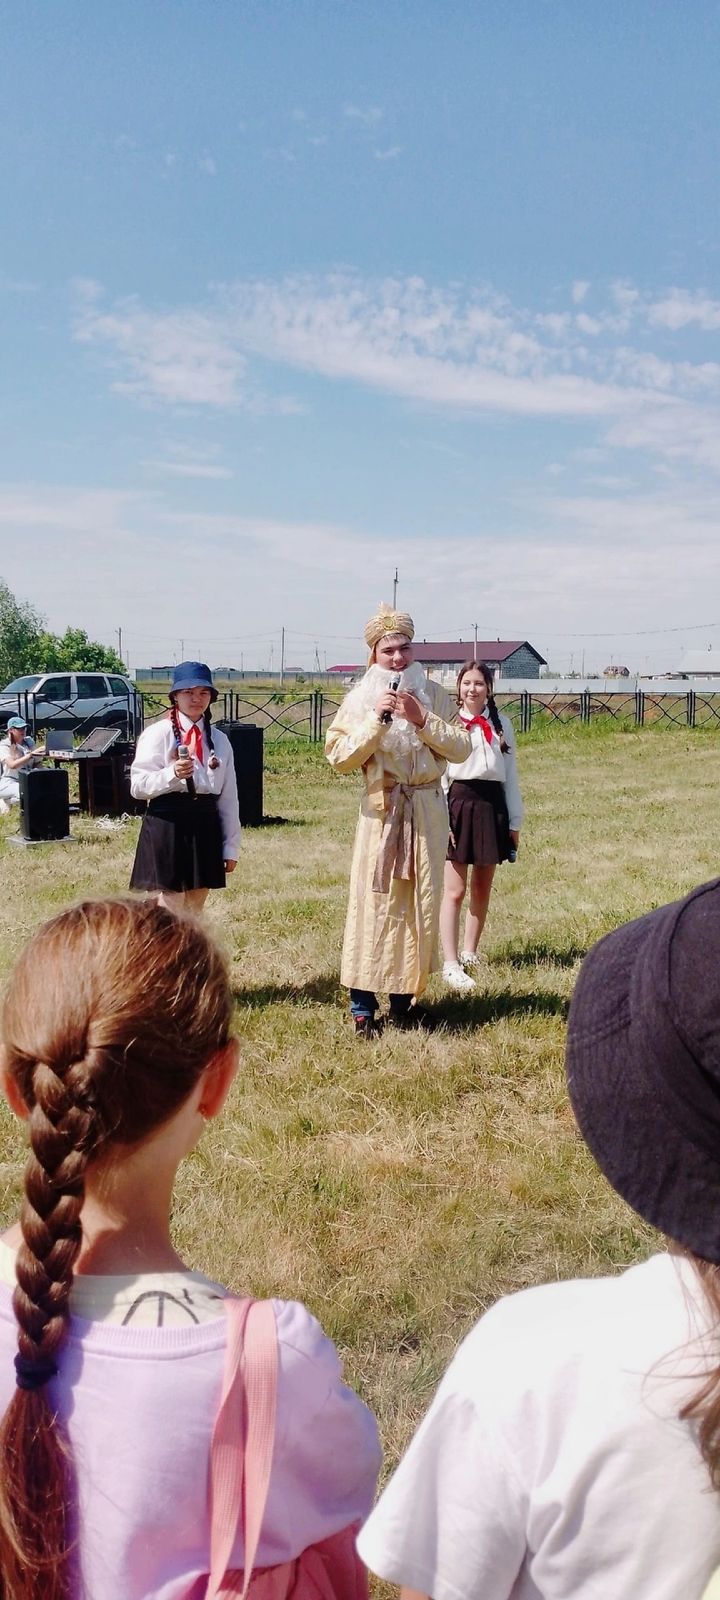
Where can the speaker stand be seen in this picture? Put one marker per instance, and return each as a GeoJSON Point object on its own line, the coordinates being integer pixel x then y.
{"type": "Point", "coordinates": [31, 844]}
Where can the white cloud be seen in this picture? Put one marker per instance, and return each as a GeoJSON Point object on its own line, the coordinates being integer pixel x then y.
{"type": "Point", "coordinates": [586, 324]}
{"type": "Point", "coordinates": [369, 116]}
{"type": "Point", "coordinates": [190, 469]}
{"type": "Point", "coordinates": [454, 347]}
{"type": "Point", "coordinates": [208, 164]}
{"type": "Point", "coordinates": [391, 154]}
{"type": "Point", "coordinates": [177, 357]}
{"type": "Point", "coordinates": [578, 562]}
{"type": "Point", "coordinates": [679, 309]}
{"type": "Point", "coordinates": [624, 294]}
{"type": "Point", "coordinates": [579, 290]}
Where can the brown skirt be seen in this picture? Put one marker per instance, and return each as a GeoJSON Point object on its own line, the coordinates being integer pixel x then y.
{"type": "Point", "coordinates": [479, 823]}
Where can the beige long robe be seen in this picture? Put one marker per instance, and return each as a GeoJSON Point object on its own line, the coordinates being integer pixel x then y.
{"type": "Point", "coordinates": [391, 936]}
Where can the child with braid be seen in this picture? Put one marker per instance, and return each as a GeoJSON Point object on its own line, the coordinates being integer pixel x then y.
{"type": "Point", "coordinates": [486, 813]}
{"type": "Point", "coordinates": [116, 1052]}
{"type": "Point", "coordinates": [190, 833]}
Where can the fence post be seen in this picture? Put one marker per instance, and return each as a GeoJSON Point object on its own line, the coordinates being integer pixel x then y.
{"type": "Point", "coordinates": [525, 710]}
{"type": "Point", "coordinates": [639, 708]}
{"type": "Point", "coordinates": [691, 708]}
{"type": "Point", "coordinates": [585, 706]}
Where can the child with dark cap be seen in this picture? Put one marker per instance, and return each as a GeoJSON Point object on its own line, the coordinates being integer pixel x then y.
{"type": "Point", "coordinates": [184, 768]}
{"type": "Point", "coordinates": [573, 1445]}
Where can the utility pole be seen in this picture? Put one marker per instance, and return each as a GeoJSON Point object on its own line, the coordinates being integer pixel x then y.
{"type": "Point", "coordinates": [475, 628]}
{"type": "Point", "coordinates": [119, 634]}
{"type": "Point", "coordinates": [395, 584]}
{"type": "Point", "coordinates": [282, 657]}
{"type": "Point", "coordinates": [182, 649]}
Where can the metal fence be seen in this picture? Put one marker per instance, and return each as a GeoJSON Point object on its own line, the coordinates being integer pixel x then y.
{"type": "Point", "coordinates": [285, 716]}
{"type": "Point", "coordinates": [637, 707]}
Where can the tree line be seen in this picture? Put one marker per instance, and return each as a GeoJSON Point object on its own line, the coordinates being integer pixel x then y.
{"type": "Point", "coordinates": [27, 646]}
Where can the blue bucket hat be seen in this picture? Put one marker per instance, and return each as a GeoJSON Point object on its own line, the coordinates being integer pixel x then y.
{"type": "Point", "coordinates": [643, 1065]}
{"type": "Point", "coordinates": [16, 722]}
{"type": "Point", "coordinates": [193, 675]}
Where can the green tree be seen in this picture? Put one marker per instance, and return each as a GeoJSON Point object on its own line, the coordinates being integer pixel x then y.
{"type": "Point", "coordinates": [74, 652]}
{"type": "Point", "coordinates": [26, 646]}
{"type": "Point", "coordinates": [20, 633]}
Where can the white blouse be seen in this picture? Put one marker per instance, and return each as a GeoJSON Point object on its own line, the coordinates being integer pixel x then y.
{"type": "Point", "coordinates": [153, 773]}
{"type": "Point", "coordinates": [488, 761]}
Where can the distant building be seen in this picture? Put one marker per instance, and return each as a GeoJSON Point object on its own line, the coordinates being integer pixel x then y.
{"type": "Point", "coordinates": [509, 658]}
{"type": "Point", "coordinates": [698, 664]}
{"type": "Point", "coordinates": [616, 672]}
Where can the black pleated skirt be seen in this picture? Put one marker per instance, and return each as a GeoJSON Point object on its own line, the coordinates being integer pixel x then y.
{"type": "Point", "coordinates": [180, 845]}
{"type": "Point", "coordinates": [479, 823]}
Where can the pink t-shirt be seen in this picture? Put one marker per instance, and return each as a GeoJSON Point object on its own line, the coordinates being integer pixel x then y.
{"type": "Point", "coordinates": [139, 1404]}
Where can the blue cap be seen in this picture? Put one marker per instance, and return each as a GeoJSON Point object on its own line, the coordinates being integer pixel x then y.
{"type": "Point", "coordinates": [193, 675]}
{"type": "Point", "coordinates": [16, 722]}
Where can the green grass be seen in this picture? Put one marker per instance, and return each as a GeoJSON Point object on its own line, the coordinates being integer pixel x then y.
{"type": "Point", "coordinates": [399, 1187]}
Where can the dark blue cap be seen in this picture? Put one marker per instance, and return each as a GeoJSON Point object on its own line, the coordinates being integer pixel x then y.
{"type": "Point", "coordinates": [643, 1063]}
{"type": "Point", "coordinates": [193, 675]}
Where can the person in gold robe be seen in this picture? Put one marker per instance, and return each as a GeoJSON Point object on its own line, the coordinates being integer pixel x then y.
{"type": "Point", "coordinates": [400, 729]}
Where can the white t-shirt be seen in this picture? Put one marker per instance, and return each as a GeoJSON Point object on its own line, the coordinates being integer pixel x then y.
{"type": "Point", "coordinates": [552, 1464]}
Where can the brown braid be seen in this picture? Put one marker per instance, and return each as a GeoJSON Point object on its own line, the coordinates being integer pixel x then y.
{"type": "Point", "coordinates": [62, 1137]}
{"type": "Point", "coordinates": [207, 719]}
{"type": "Point", "coordinates": [177, 730]}
{"type": "Point", "coordinates": [111, 1016]}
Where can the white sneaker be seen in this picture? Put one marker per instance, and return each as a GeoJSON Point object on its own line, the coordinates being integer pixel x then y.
{"type": "Point", "coordinates": [455, 978]}
{"type": "Point", "coordinates": [5, 809]}
{"type": "Point", "coordinates": [471, 961]}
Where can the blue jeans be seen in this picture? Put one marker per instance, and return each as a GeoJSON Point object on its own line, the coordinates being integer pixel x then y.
{"type": "Point", "coordinates": [363, 1003]}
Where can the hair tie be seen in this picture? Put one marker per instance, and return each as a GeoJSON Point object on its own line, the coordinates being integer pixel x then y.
{"type": "Point", "coordinates": [32, 1374]}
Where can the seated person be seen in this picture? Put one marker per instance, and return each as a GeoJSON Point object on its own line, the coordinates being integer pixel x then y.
{"type": "Point", "coordinates": [18, 752]}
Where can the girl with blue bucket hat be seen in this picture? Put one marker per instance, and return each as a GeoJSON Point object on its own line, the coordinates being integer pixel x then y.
{"type": "Point", "coordinates": [185, 770]}
{"type": "Point", "coordinates": [572, 1451]}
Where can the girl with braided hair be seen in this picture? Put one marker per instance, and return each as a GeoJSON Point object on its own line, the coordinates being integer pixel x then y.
{"type": "Point", "coordinates": [190, 834]}
{"type": "Point", "coordinates": [116, 1052]}
{"type": "Point", "coordinates": [486, 813]}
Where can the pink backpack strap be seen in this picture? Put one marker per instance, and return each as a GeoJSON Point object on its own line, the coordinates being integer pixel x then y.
{"type": "Point", "coordinates": [243, 1437]}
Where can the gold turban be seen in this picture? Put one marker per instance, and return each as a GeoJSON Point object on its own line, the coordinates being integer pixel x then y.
{"type": "Point", "coordinates": [388, 621]}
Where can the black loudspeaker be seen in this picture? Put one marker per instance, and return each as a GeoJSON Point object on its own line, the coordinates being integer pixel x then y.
{"type": "Point", "coordinates": [247, 745]}
{"type": "Point", "coordinates": [44, 804]}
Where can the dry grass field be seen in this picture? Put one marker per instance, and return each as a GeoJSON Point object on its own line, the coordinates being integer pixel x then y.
{"type": "Point", "coordinates": [399, 1187]}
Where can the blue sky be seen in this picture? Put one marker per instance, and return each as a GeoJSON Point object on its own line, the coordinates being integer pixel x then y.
{"type": "Point", "coordinates": [295, 293]}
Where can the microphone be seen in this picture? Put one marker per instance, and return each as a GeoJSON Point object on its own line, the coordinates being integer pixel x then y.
{"type": "Point", "coordinates": [183, 754]}
{"type": "Point", "coordinates": [393, 685]}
